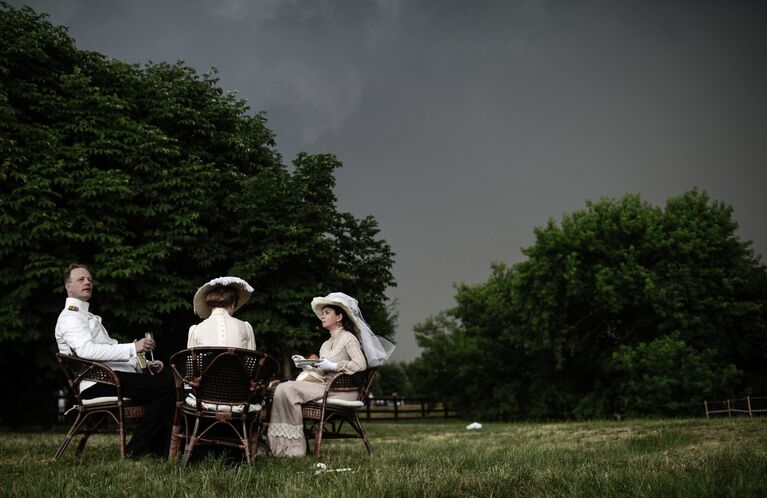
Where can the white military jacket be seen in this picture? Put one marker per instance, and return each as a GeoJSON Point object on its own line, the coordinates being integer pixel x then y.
{"type": "Point", "coordinates": [80, 332]}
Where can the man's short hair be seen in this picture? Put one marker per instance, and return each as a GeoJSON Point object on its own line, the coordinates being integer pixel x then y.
{"type": "Point", "coordinates": [74, 266]}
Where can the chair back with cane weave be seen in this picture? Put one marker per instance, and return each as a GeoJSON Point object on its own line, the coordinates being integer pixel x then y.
{"type": "Point", "coordinates": [219, 387]}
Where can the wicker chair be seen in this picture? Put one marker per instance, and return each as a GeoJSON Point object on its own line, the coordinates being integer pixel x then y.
{"type": "Point", "coordinates": [325, 418]}
{"type": "Point", "coordinates": [215, 387]}
{"type": "Point", "coordinates": [92, 413]}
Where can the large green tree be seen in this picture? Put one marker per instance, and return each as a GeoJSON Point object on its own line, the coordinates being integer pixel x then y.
{"type": "Point", "coordinates": [160, 181]}
{"type": "Point", "coordinates": [623, 307]}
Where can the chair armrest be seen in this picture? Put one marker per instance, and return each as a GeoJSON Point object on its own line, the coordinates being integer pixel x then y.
{"type": "Point", "coordinates": [335, 379]}
{"type": "Point", "coordinates": [184, 358]}
{"type": "Point", "coordinates": [179, 379]}
{"type": "Point", "coordinates": [328, 385]}
{"type": "Point", "coordinates": [80, 369]}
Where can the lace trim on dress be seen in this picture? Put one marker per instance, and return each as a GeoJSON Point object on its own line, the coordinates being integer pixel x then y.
{"type": "Point", "coordinates": [286, 430]}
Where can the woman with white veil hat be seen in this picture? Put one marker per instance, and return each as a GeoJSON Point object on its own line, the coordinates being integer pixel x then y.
{"type": "Point", "coordinates": [342, 352]}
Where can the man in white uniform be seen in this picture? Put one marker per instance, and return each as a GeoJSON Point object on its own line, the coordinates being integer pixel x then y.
{"type": "Point", "coordinates": [80, 333]}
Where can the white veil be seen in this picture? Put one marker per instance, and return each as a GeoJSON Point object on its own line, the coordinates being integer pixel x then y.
{"type": "Point", "coordinates": [377, 349]}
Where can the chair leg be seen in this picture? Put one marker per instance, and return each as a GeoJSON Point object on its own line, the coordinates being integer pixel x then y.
{"type": "Point", "coordinates": [68, 438]}
{"type": "Point", "coordinates": [367, 444]}
{"type": "Point", "coordinates": [190, 443]}
{"type": "Point", "coordinates": [81, 444]}
{"type": "Point", "coordinates": [262, 442]}
{"type": "Point", "coordinates": [254, 437]}
{"type": "Point", "coordinates": [246, 442]}
{"type": "Point", "coordinates": [90, 428]}
{"type": "Point", "coordinates": [175, 442]}
{"type": "Point", "coordinates": [355, 422]}
{"type": "Point", "coordinates": [318, 430]}
{"type": "Point", "coordinates": [62, 448]}
{"type": "Point", "coordinates": [121, 429]}
{"type": "Point", "coordinates": [175, 436]}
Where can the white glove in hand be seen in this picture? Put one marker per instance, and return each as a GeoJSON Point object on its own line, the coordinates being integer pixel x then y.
{"type": "Point", "coordinates": [326, 365]}
{"type": "Point", "coordinates": [296, 358]}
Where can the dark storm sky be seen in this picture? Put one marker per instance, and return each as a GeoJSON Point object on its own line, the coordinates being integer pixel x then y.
{"type": "Point", "coordinates": [462, 125]}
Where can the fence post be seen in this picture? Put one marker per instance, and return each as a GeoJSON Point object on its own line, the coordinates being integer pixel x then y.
{"type": "Point", "coordinates": [705, 405]}
{"type": "Point", "coordinates": [423, 408]}
{"type": "Point", "coordinates": [748, 400]}
{"type": "Point", "coordinates": [367, 408]}
{"type": "Point", "coordinates": [396, 410]}
{"type": "Point", "coordinates": [729, 410]}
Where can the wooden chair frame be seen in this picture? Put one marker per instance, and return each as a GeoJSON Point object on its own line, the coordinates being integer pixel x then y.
{"type": "Point", "coordinates": [91, 416]}
{"type": "Point", "coordinates": [325, 421]}
{"type": "Point", "coordinates": [227, 379]}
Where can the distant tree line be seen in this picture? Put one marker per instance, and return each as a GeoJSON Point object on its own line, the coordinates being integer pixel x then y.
{"type": "Point", "coordinates": [622, 308]}
{"type": "Point", "coordinates": [159, 180]}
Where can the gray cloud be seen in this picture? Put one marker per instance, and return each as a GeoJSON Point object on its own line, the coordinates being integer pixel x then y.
{"type": "Point", "coordinates": [463, 125]}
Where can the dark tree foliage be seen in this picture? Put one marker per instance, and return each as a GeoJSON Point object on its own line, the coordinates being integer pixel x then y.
{"type": "Point", "coordinates": [393, 379]}
{"type": "Point", "coordinates": [623, 307]}
{"type": "Point", "coordinates": [159, 180]}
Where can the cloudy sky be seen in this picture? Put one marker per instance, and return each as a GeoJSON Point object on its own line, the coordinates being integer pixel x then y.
{"type": "Point", "coordinates": [462, 125]}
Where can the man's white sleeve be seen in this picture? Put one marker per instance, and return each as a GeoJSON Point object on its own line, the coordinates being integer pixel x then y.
{"type": "Point", "coordinates": [77, 335]}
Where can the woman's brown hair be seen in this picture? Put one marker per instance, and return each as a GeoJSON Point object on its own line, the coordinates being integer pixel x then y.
{"type": "Point", "coordinates": [221, 297]}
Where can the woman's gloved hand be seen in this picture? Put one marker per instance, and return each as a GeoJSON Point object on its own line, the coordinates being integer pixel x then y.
{"type": "Point", "coordinates": [326, 365]}
{"type": "Point", "coordinates": [296, 358]}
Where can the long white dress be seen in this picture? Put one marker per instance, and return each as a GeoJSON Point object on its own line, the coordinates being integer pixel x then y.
{"type": "Point", "coordinates": [286, 427]}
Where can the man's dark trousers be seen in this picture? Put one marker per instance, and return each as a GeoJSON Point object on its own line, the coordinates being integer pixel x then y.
{"type": "Point", "coordinates": [157, 393]}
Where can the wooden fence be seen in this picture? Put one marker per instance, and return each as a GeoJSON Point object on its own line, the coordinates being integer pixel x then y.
{"type": "Point", "coordinates": [397, 408]}
{"type": "Point", "coordinates": [742, 406]}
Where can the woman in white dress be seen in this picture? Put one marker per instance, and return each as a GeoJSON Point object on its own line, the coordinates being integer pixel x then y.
{"type": "Point", "coordinates": [342, 352]}
{"type": "Point", "coordinates": [216, 302]}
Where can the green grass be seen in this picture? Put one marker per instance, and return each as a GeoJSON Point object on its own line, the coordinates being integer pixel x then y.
{"type": "Point", "coordinates": [671, 457]}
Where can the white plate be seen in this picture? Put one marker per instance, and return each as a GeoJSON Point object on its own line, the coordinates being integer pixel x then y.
{"type": "Point", "coordinates": [303, 363]}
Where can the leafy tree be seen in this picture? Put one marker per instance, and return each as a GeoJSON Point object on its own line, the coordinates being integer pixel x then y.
{"type": "Point", "coordinates": [160, 181]}
{"type": "Point", "coordinates": [595, 307]}
{"type": "Point", "coordinates": [393, 378]}
{"type": "Point", "coordinates": [663, 375]}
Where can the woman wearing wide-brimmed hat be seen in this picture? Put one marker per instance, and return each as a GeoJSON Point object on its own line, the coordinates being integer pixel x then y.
{"type": "Point", "coordinates": [342, 352]}
{"type": "Point", "coordinates": [216, 302]}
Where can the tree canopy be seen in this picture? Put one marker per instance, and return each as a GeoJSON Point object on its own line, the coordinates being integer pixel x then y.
{"type": "Point", "coordinates": [160, 180]}
{"type": "Point", "coordinates": [623, 307]}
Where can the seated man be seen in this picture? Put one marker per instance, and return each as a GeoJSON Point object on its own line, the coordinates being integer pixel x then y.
{"type": "Point", "coordinates": [81, 333]}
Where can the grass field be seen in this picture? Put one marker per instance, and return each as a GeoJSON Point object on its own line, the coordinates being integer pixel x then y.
{"type": "Point", "coordinates": [670, 457]}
